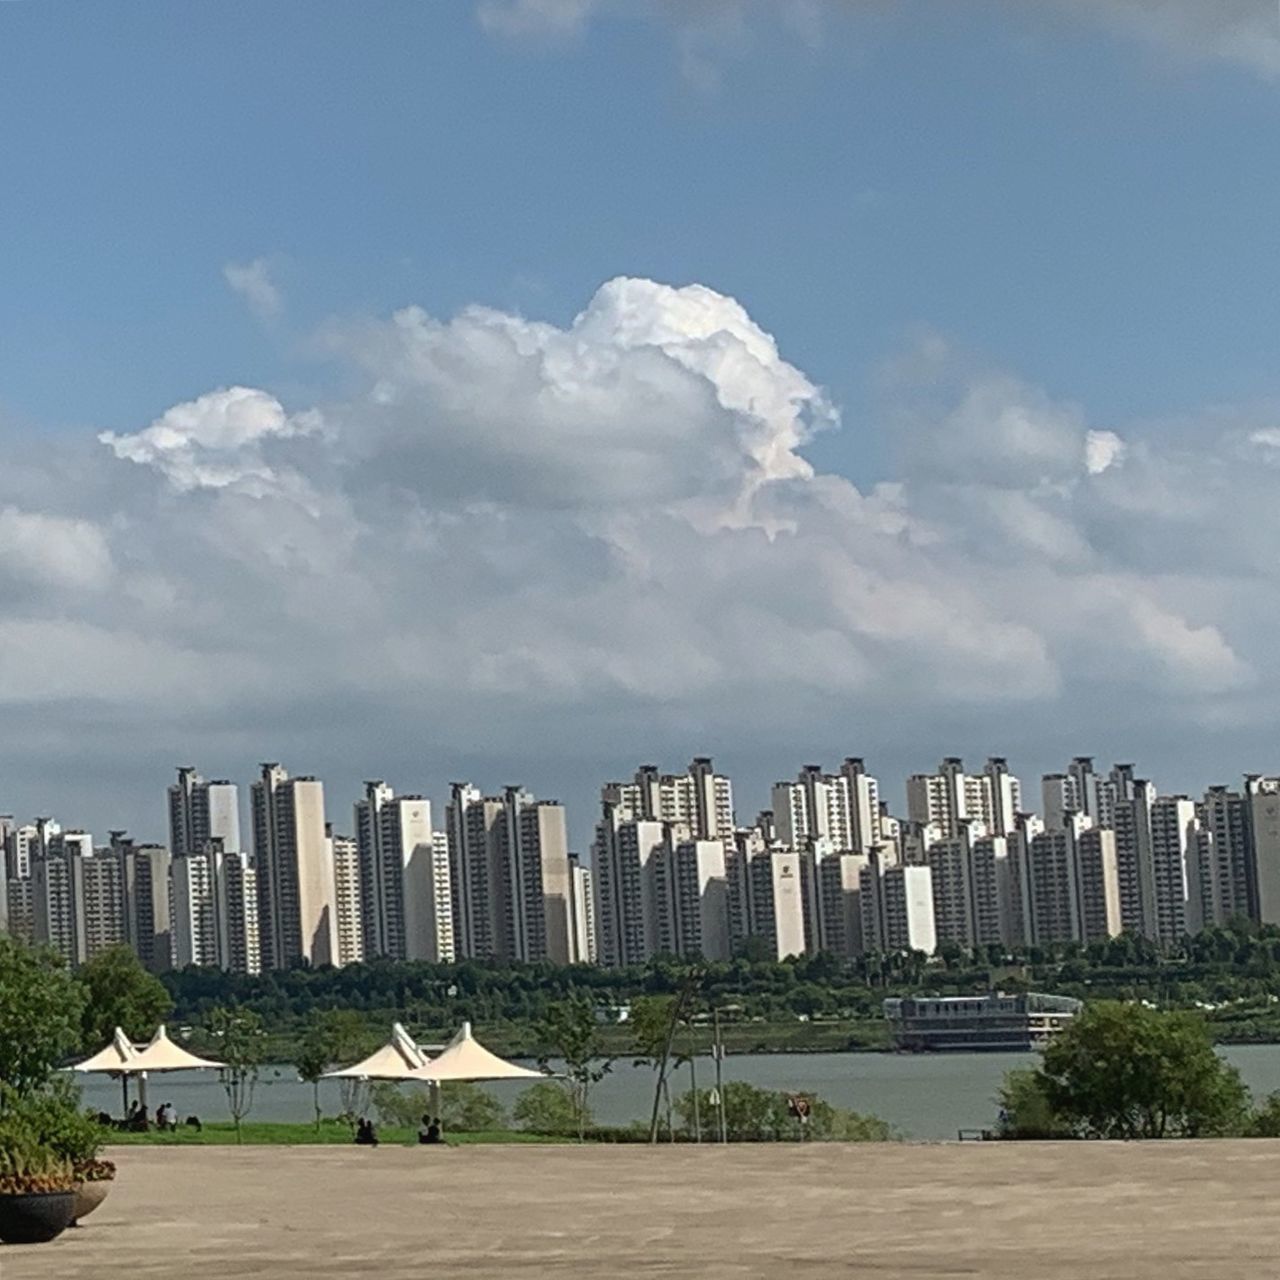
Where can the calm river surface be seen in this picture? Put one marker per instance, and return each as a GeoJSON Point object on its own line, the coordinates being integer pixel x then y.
{"type": "Point", "coordinates": [923, 1096]}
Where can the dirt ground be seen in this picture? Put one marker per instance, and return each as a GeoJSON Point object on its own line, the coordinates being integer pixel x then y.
{"type": "Point", "coordinates": [1084, 1211]}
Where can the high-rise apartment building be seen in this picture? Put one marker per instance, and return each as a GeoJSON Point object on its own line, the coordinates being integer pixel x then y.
{"type": "Point", "coordinates": [405, 891]}
{"type": "Point", "coordinates": [945, 799]}
{"type": "Point", "coordinates": [623, 859]}
{"type": "Point", "coordinates": [195, 913]}
{"type": "Point", "coordinates": [1069, 883]}
{"type": "Point", "coordinates": [239, 943]}
{"type": "Point", "coordinates": [535, 844]}
{"type": "Point", "coordinates": [1175, 847]}
{"type": "Point", "coordinates": [699, 799]}
{"type": "Point", "coordinates": [693, 897]}
{"type": "Point", "coordinates": [897, 907]}
{"type": "Point", "coordinates": [1131, 801]}
{"type": "Point", "coordinates": [1006, 795]}
{"type": "Point", "coordinates": [201, 811]}
{"type": "Point", "coordinates": [347, 897]}
{"type": "Point", "coordinates": [765, 894]}
{"type": "Point", "coordinates": [146, 887]}
{"type": "Point", "coordinates": [582, 913]}
{"type": "Point", "coordinates": [1264, 837]}
{"type": "Point", "coordinates": [297, 914]}
{"type": "Point", "coordinates": [509, 859]}
{"type": "Point", "coordinates": [1224, 819]}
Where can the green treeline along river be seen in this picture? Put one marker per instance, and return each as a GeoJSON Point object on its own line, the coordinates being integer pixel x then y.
{"type": "Point", "coordinates": [924, 1096]}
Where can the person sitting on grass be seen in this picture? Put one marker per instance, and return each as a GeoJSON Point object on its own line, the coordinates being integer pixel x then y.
{"type": "Point", "coordinates": [366, 1136]}
{"type": "Point", "coordinates": [429, 1131]}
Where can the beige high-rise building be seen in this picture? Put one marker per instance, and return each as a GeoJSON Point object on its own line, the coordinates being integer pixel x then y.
{"type": "Point", "coordinates": [945, 799]}
{"type": "Point", "coordinates": [509, 857]}
{"type": "Point", "coordinates": [623, 860]}
{"type": "Point", "coordinates": [582, 913]}
{"type": "Point", "coordinates": [195, 910]}
{"type": "Point", "coordinates": [700, 799]}
{"type": "Point", "coordinates": [403, 883]}
{"type": "Point", "coordinates": [897, 907]}
{"type": "Point", "coordinates": [239, 945]}
{"type": "Point", "coordinates": [765, 894]}
{"type": "Point", "coordinates": [1175, 849]}
{"type": "Point", "coordinates": [1069, 883]}
{"type": "Point", "coordinates": [1226, 856]}
{"type": "Point", "coordinates": [147, 891]}
{"type": "Point", "coordinates": [297, 913]}
{"type": "Point", "coordinates": [693, 897]}
{"type": "Point", "coordinates": [345, 853]}
{"type": "Point", "coordinates": [1264, 836]}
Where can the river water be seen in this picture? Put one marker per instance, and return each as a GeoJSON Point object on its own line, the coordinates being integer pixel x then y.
{"type": "Point", "coordinates": [924, 1096]}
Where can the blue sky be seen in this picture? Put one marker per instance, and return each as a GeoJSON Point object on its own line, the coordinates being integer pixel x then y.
{"type": "Point", "coordinates": [1071, 207]}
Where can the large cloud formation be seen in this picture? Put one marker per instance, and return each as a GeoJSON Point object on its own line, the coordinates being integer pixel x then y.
{"type": "Point", "coordinates": [555, 539]}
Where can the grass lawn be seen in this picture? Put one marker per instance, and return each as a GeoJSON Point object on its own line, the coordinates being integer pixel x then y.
{"type": "Point", "coordinates": [331, 1133]}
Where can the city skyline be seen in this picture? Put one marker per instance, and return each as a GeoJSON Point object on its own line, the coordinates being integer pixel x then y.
{"type": "Point", "coordinates": [675, 868]}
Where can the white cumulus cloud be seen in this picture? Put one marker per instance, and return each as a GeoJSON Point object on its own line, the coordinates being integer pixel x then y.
{"type": "Point", "coordinates": [214, 441]}
{"type": "Point", "coordinates": [252, 281]}
{"type": "Point", "coordinates": [512, 538]}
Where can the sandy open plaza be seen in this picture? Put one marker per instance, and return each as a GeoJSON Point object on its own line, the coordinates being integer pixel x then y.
{"type": "Point", "coordinates": [1056, 1212]}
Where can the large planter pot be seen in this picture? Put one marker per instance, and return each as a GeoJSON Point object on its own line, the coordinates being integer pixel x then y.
{"type": "Point", "coordinates": [89, 1195]}
{"type": "Point", "coordinates": [36, 1217]}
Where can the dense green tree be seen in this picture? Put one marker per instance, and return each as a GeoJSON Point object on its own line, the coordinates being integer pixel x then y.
{"type": "Point", "coordinates": [467, 1108]}
{"type": "Point", "coordinates": [119, 992]}
{"type": "Point", "coordinates": [1025, 1110]}
{"type": "Point", "coordinates": [1128, 1071]}
{"type": "Point", "coordinates": [40, 1014]}
{"type": "Point", "coordinates": [547, 1108]}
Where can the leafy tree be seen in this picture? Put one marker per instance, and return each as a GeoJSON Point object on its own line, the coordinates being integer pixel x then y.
{"type": "Point", "coordinates": [1128, 1071]}
{"type": "Point", "coordinates": [345, 1039]}
{"type": "Point", "coordinates": [119, 992]}
{"type": "Point", "coordinates": [53, 1119]}
{"type": "Point", "coordinates": [467, 1108]}
{"type": "Point", "coordinates": [570, 1028]}
{"type": "Point", "coordinates": [653, 1024]}
{"type": "Point", "coordinates": [239, 1035]}
{"type": "Point", "coordinates": [313, 1059]}
{"type": "Point", "coordinates": [40, 1012]}
{"type": "Point", "coordinates": [397, 1106]}
{"type": "Point", "coordinates": [548, 1108]}
{"type": "Point", "coordinates": [1265, 1121]}
{"type": "Point", "coordinates": [1025, 1110]}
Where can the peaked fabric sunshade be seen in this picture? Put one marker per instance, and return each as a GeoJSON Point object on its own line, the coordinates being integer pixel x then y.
{"type": "Point", "coordinates": [398, 1059]}
{"type": "Point", "coordinates": [465, 1058]}
{"type": "Point", "coordinates": [161, 1054]}
{"type": "Point", "coordinates": [118, 1056]}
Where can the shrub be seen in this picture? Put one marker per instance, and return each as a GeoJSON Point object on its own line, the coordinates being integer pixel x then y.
{"type": "Point", "coordinates": [549, 1108]}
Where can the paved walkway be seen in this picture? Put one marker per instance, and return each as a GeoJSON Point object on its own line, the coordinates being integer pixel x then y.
{"type": "Point", "coordinates": [1087, 1211]}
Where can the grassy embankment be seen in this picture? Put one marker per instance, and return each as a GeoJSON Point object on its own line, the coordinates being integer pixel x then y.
{"type": "Point", "coordinates": [331, 1133]}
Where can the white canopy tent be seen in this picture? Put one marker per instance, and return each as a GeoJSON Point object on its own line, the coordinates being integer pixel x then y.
{"type": "Point", "coordinates": [399, 1059]}
{"type": "Point", "coordinates": [465, 1058]}
{"type": "Point", "coordinates": [114, 1060]}
{"type": "Point", "coordinates": [121, 1057]}
{"type": "Point", "coordinates": [160, 1055]}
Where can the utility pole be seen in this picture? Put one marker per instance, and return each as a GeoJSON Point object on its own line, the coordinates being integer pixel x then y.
{"type": "Point", "coordinates": [717, 1052]}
